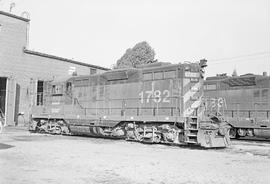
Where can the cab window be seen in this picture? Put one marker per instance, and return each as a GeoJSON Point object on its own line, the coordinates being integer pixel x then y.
{"type": "Point", "coordinates": [57, 89]}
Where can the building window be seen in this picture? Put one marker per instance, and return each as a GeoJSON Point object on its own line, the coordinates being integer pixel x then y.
{"type": "Point", "coordinates": [57, 90]}
{"type": "Point", "coordinates": [40, 91]}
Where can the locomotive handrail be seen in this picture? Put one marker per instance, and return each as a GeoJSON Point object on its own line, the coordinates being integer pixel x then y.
{"type": "Point", "coordinates": [233, 112]}
{"type": "Point", "coordinates": [154, 110]}
{"type": "Point", "coordinates": [243, 110]}
{"type": "Point", "coordinates": [101, 104]}
{"type": "Point", "coordinates": [123, 107]}
{"type": "Point", "coordinates": [105, 105]}
{"type": "Point", "coordinates": [113, 99]}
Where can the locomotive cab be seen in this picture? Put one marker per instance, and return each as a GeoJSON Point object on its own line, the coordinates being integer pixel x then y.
{"type": "Point", "coordinates": [57, 93]}
{"type": "Point", "coordinates": [49, 117]}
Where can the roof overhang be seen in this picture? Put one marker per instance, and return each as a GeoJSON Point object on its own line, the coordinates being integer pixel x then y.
{"type": "Point", "coordinates": [63, 59]}
{"type": "Point", "coordinates": [14, 16]}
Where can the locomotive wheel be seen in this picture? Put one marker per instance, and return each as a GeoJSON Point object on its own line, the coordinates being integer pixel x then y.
{"type": "Point", "coordinates": [57, 130]}
{"type": "Point", "coordinates": [42, 131]}
{"type": "Point", "coordinates": [250, 132]}
{"type": "Point", "coordinates": [130, 135]}
{"type": "Point", "coordinates": [65, 130]}
{"type": "Point", "coordinates": [118, 132]}
{"type": "Point", "coordinates": [169, 137]}
{"type": "Point", "coordinates": [233, 133]}
{"type": "Point", "coordinates": [157, 138]}
{"type": "Point", "coordinates": [241, 132]}
{"type": "Point", "coordinates": [100, 131]}
{"type": "Point", "coordinates": [95, 133]}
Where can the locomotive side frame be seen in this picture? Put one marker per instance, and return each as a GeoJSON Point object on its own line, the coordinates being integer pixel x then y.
{"type": "Point", "coordinates": [172, 115]}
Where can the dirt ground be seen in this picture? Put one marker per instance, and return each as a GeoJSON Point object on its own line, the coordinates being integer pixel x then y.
{"type": "Point", "coordinates": [27, 158]}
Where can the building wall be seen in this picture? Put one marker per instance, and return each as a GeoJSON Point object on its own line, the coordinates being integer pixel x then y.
{"type": "Point", "coordinates": [12, 38]}
{"type": "Point", "coordinates": [24, 69]}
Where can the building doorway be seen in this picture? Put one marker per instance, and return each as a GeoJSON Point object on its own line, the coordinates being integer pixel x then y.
{"type": "Point", "coordinates": [3, 91]}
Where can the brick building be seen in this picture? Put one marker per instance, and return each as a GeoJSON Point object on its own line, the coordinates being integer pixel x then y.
{"type": "Point", "coordinates": [22, 71]}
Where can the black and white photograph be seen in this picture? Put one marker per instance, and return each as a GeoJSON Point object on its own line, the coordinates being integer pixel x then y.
{"type": "Point", "coordinates": [135, 92]}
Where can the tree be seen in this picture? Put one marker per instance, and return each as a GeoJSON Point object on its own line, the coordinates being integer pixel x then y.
{"type": "Point", "coordinates": [234, 74]}
{"type": "Point", "coordinates": [141, 53]}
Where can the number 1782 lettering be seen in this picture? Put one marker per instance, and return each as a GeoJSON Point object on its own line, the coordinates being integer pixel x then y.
{"type": "Point", "coordinates": [156, 96]}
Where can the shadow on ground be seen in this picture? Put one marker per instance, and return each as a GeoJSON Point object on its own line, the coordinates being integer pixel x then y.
{"type": "Point", "coordinates": [5, 146]}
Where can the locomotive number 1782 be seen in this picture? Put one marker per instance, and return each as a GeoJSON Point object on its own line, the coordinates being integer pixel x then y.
{"type": "Point", "coordinates": [156, 96]}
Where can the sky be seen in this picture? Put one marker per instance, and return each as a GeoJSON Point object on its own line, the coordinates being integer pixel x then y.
{"type": "Point", "coordinates": [230, 34]}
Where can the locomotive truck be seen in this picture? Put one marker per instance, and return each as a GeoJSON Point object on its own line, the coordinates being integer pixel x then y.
{"type": "Point", "coordinates": [154, 103]}
{"type": "Point", "coordinates": [247, 99]}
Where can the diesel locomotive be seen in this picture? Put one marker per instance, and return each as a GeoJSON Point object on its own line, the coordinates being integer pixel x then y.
{"type": "Point", "coordinates": [247, 100]}
{"type": "Point", "coordinates": [154, 103]}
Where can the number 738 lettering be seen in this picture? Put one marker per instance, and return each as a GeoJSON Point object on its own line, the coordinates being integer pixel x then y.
{"type": "Point", "coordinates": [155, 95]}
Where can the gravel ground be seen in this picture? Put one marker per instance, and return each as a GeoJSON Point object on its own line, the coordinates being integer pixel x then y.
{"type": "Point", "coordinates": [27, 158]}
